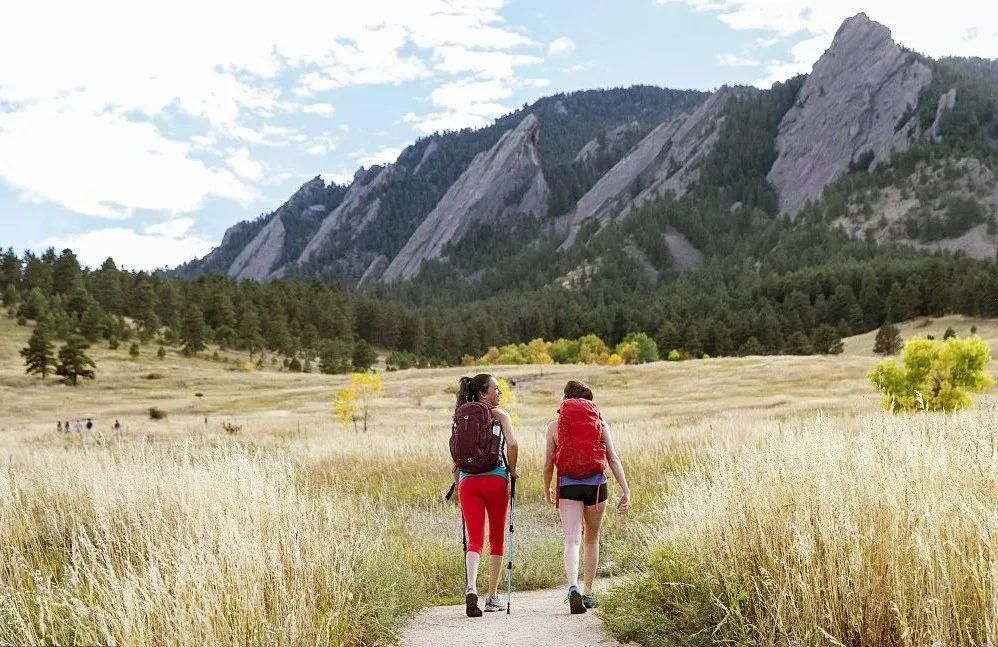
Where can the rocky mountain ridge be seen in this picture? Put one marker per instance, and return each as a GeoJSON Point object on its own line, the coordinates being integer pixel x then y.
{"type": "Point", "coordinates": [864, 102]}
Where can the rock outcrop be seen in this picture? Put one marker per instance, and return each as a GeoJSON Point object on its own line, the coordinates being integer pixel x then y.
{"type": "Point", "coordinates": [258, 260]}
{"type": "Point", "coordinates": [946, 103]}
{"type": "Point", "coordinates": [504, 180]}
{"type": "Point", "coordinates": [359, 202]}
{"type": "Point", "coordinates": [374, 271]}
{"type": "Point", "coordinates": [856, 107]}
{"type": "Point", "coordinates": [614, 138]}
{"type": "Point", "coordinates": [666, 160]}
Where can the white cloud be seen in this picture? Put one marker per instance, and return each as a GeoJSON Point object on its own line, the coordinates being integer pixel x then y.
{"type": "Point", "coordinates": [385, 155]}
{"type": "Point", "coordinates": [321, 109]}
{"type": "Point", "coordinates": [466, 104]}
{"type": "Point", "coordinates": [161, 245]}
{"type": "Point", "coordinates": [241, 164]}
{"type": "Point", "coordinates": [812, 24]}
{"type": "Point", "coordinates": [578, 67]}
{"type": "Point", "coordinates": [561, 46]}
{"type": "Point", "coordinates": [99, 92]}
{"type": "Point", "coordinates": [337, 177]}
{"type": "Point", "coordinates": [174, 228]}
{"type": "Point", "coordinates": [489, 65]}
{"type": "Point", "coordinates": [733, 60]}
{"type": "Point", "coordinates": [105, 165]}
{"type": "Point", "coordinates": [321, 145]}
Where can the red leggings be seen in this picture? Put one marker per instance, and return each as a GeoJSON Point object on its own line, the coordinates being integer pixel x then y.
{"type": "Point", "coordinates": [480, 495]}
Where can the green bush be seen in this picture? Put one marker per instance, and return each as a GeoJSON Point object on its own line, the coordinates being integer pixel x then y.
{"type": "Point", "coordinates": [156, 413]}
{"type": "Point", "coordinates": [936, 375]}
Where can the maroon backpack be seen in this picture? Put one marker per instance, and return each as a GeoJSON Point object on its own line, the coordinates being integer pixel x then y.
{"type": "Point", "coordinates": [475, 438]}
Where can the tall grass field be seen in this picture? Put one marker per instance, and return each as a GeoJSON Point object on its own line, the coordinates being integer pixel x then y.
{"type": "Point", "coordinates": [773, 503]}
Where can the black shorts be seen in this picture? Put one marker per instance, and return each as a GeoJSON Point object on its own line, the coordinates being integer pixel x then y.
{"type": "Point", "coordinates": [588, 494]}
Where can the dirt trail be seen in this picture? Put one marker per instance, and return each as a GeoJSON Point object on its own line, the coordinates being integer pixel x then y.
{"type": "Point", "coordinates": [537, 618]}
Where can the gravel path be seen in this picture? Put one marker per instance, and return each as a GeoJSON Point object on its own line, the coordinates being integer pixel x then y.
{"type": "Point", "coordinates": [537, 618]}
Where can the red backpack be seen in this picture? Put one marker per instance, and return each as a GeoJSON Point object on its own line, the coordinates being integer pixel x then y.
{"type": "Point", "coordinates": [475, 438]}
{"type": "Point", "coordinates": [581, 452]}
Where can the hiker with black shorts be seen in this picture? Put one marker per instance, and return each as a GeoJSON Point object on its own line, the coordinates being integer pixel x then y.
{"type": "Point", "coordinates": [579, 445]}
{"type": "Point", "coordinates": [483, 453]}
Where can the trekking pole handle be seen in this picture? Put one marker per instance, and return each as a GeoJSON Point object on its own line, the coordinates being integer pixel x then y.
{"type": "Point", "coordinates": [450, 492]}
{"type": "Point", "coordinates": [512, 487]}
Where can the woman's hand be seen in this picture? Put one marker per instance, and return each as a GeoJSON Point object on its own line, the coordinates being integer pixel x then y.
{"type": "Point", "coordinates": [551, 496]}
{"type": "Point", "coordinates": [625, 501]}
{"type": "Point", "coordinates": [513, 472]}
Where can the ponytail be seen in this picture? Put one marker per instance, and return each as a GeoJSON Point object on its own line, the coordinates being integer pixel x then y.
{"type": "Point", "coordinates": [469, 388]}
{"type": "Point", "coordinates": [577, 389]}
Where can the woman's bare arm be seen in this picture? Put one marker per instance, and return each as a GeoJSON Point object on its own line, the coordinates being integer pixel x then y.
{"type": "Point", "coordinates": [551, 445]}
{"type": "Point", "coordinates": [511, 447]}
{"type": "Point", "coordinates": [617, 467]}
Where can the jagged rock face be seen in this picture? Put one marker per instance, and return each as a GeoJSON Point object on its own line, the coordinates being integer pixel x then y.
{"type": "Point", "coordinates": [686, 256]}
{"type": "Point", "coordinates": [614, 139]}
{"type": "Point", "coordinates": [430, 150]}
{"type": "Point", "coordinates": [360, 200]}
{"type": "Point", "coordinates": [374, 271]}
{"type": "Point", "coordinates": [666, 160]}
{"type": "Point", "coordinates": [258, 259]}
{"type": "Point", "coordinates": [946, 103]}
{"type": "Point", "coordinates": [504, 180]}
{"type": "Point", "coordinates": [859, 99]}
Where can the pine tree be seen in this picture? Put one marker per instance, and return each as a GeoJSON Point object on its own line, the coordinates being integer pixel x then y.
{"type": "Point", "coordinates": [74, 362]}
{"type": "Point", "coordinates": [363, 356]}
{"type": "Point", "coordinates": [192, 331]}
{"type": "Point", "coordinates": [10, 268]}
{"type": "Point", "coordinates": [750, 347]}
{"type": "Point", "coordinates": [66, 273]}
{"type": "Point", "coordinates": [827, 341]}
{"type": "Point", "coordinates": [38, 357]}
{"type": "Point", "coordinates": [335, 356]}
{"type": "Point", "coordinates": [798, 344]}
{"type": "Point", "coordinates": [888, 341]}
{"type": "Point", "coordinates": [249, 330]}
{"type": "Point", "coordinates": [10, 295]}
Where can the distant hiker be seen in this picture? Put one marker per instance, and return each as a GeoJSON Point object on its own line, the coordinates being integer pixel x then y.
{"type": "Point", "coordinates": [579, 445]}
{"type": "Point", "coordinates": [90, 424]}
{"type": "Point", "coordinates": [78, 427]}
{"type": "Point", "coordinates": [117, 425]}
{"type": "Point", "coordinates": [483, 452]}
{"type": "Point", "coordinates": [66, 427]}
{"type": "Point", "coordinates": [58, 426]}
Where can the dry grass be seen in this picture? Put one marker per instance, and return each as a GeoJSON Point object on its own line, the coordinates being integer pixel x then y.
{"type": "Point", "coordinates": [880, 531]}
{"type": "Point", "coordinates": [297, 530]}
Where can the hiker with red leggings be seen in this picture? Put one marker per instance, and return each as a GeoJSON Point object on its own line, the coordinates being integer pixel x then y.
{"type": "Point", "coordinates": [579, 445]}
{"type": "Point", "coordinates": [483, 452]}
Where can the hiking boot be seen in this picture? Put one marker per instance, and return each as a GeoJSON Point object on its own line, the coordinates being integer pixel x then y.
{"type": "Point", "coordinates": [471, 605]}
{"type": "Point", "coordinates": [575, 601]}
{"type": "Point", "coordinates": [589, 601]}
{"type": "Point", "coordinates": [494, 603]}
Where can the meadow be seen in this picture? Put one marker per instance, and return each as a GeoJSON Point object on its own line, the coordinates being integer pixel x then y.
{"type": "Point", "coordinates": [773, 503]}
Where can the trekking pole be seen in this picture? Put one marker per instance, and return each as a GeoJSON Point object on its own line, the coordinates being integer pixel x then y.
{"type": "Point", "coordinates": [464, 532]}
{"type": "Point", "coordinates": [509, 564]}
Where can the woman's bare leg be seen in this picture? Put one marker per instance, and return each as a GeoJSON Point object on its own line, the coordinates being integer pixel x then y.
{"type": "Point", "coordinates": [593, 519]}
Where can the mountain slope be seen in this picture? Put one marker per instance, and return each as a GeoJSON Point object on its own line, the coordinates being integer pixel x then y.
{"type": "Point", "coordinates": [600, 181]}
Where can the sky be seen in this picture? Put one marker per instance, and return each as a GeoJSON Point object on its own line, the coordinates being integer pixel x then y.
{"type": "Point", "coordinates": [143, 132]}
